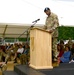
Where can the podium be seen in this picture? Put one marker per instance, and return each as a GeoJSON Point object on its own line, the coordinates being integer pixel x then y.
{"type": "Point", "coordinates": [40, 49]}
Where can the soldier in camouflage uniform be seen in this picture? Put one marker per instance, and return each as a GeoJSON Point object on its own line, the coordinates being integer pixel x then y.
{"type": "Point", "coordinates": [51, 25]}
{"type": "Point", "coordinates": [70, 43]}
{"type": "Point", "coordinates": [15, 51]}
{"type": "Point", "coordinates": [3, 54]}
{"type": "Point", "coordinates": [3, 65]}
{"type": "Point", "coordinates": [25, 57]}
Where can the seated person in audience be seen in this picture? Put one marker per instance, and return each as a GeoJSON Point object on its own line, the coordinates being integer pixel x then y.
{"type": "Point", "coordinates": [72, 54]}
{"type": "Point", "coordinates": [20, 49]}
{"type": "Point", "coordinates": [3, 62]}
{"type": "Point", "coordinates": [19, 52]}
{"type": "Point", "coordinates": [24, 58]}
{"type": "Point", "coordinates": [8, 46]}
{"type": "Point", "coordinates": [9, 52]}
{"type": "Point", "coordinates": [60, 50]}
{"type": "Point", "coordinates": [3, 54]}
{"type": "Point", "coordinates": [66, 56]}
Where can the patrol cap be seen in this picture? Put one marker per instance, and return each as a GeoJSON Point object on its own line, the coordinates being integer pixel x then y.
{"type": "Point", "coordinates": [47, 8]}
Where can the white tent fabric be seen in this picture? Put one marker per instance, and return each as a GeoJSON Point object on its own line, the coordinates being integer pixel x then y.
{"type": "Point", "coordinates": [14, 30]}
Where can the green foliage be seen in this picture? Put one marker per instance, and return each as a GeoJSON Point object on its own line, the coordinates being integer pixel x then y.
{"type": "Point", "coordinates": [23, 39]}
{"type": "Point", "coordinates": [65, 32]}
{"type": "Point", "coordinates": [13, 39]}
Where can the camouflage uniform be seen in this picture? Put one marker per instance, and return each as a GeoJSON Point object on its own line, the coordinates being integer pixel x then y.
{"type": "Point", "coordinates": [52, 24]}
{"type": "Point", "coordinates": [25, 57]}
{"type": "Point", "coordinates": [2, 54]}
{"type": "Point", "coordinates": [3, 66]}
{"type": "Point", "coordinates": [14, 54]}
{"type": "Point", "coordinates": [15, 49]}
{"type": "Point", "coordinates": [70, 43]}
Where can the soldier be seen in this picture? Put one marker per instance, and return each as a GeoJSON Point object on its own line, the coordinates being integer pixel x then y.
{"type": "Point", "coordinates": [15, 51]}
{"type": "Point", "coordinates": [51, 25]}
{"type": "Point", "coordinates": [3, 54]}
{"type": "Point", "coordinates": [25, 57]}
{"type": "Point", "coordinates": [70, 43]}
{"type": "Point", "coordinates": [3, 65]}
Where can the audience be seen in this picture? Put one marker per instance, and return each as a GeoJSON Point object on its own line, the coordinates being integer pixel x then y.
{"type": "Point", "coordinates": [21, 51]}
{"type": "Point", "coordinates": [66, 56]}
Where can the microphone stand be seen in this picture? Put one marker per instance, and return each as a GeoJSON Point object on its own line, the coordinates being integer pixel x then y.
{"type": "Point", "coordinates": [28, 30]}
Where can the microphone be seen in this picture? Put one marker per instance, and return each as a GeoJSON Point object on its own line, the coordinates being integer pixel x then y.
{"type": "Point", "coordinates": [36, 20]}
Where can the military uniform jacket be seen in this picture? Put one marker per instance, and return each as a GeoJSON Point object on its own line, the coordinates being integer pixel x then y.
{"type": "Point", "coordinates": [52, 24]}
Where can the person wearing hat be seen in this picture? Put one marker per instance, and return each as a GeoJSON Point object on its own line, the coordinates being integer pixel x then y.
{"type": "Point", "coordinates": [52, 25]}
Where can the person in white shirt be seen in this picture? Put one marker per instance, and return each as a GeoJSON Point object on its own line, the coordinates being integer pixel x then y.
{"type": "Point", "coordinates": [20, 49]}
{"type": "Point", "coordinates": [19, 52]}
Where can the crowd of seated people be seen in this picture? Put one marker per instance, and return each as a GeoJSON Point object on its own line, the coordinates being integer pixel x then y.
{"type": "Point", "coordinates": [15, 52]}
{"type": "Point", "coordinates": [65, 57]}
{"type": "Point", "coordinates": [21, 52]}
{"type": "Point", "coordinates": [65, 52]}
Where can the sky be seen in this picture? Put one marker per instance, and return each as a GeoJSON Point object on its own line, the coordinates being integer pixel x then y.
{"type": "Point", "coordinates": [26, 11]}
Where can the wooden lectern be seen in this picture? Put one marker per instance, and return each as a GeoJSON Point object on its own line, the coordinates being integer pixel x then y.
{"type": "Point", "coordinates": [40, 49]}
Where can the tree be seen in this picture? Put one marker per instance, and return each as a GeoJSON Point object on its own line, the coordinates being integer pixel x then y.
{"type": "Point", "coordinates": [65, 32]}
